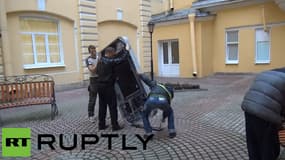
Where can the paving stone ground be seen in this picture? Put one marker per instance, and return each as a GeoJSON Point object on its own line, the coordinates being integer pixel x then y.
{"type": "Point", "coordinates": [209, 123]}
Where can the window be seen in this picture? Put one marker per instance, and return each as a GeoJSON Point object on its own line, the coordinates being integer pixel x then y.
{"type": "Point", "coordinates": [262, 46]}
{"type": "Point", "coordinates": [170, 52]}
{"type": "Point", "coordinates": [175, 52]}
{"type": "Point", "coordinates": [169, 58]}
{"type": "Point", "coordinates": [41, 5]}
{"type": "Point", "coordinates": [119, 14]}
{"type": "Point", "coordinates": [41, 44]}
{"type": "Point", "coordinates": [165, 52]}
{"type": "Point", "coordinates": [232, 47]}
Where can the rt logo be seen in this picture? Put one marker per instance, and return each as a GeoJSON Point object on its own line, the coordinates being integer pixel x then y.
{"type": "Point", "coordinates": [16, 142]}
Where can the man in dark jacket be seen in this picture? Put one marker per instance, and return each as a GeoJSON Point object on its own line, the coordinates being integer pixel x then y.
{"type": "Point", "coordinates": [159, 98]}
{"type": "Point", "coordinates": [264, 105]}
{"type": "Point", "coordinates": [106, 91]}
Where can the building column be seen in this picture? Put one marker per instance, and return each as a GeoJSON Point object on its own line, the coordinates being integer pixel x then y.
{"type": "Point", "coordinates": [88, 30]}
{"type": "Point", "coordinates": [145, 16]}
{"type": "Point", "coordinates": [193, 43]}
{"type": "Point", "coordinates": [5, 56]}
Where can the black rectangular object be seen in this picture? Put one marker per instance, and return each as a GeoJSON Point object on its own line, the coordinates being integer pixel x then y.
{"type": "Point", "coordinates": [129, 88]}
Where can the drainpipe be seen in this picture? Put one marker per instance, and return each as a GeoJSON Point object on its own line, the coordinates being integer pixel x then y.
{"type": "Point", "coordinates": [193, 43]}
{"type": "Point", "coordinates": [6, 55]}
{"type": "Point", "coordinates": [171, 5]}
{"type": "Point", "coordinates": [265, 28]}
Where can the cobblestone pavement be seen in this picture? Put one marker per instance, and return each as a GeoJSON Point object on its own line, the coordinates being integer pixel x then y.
{"type": "Point", "coordinates": [209, 123]}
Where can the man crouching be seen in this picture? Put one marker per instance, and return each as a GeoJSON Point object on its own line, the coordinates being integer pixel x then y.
{"type": "Point", "coordinates": [160, 97]}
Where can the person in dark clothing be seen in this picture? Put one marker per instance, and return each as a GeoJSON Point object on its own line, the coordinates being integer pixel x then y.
{"type": "Point", "coordinates": [91, 63]}
{"type": "Point", "coordinates": [106, 91]}
{"type": "Point", "coordinates": [264, 106]}
{"type": "Point", "coordinates": [160, 97]}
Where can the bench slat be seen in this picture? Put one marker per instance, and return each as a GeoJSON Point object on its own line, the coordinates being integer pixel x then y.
{"type": "Point", "coordinates": [28, 90]}
{"type": "Point", "coordinates": [38, 91]}
{"type": "Point", "coordinates": [21, 94]}
{"type": "Point", "coordinates": [48, 89]}
{"type": "Point", "coordinates": [44, 90]}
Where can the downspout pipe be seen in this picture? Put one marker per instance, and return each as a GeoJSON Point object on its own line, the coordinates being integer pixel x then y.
{"type": "Point", "coordinates": [171, 5]}
{"type": "Point", "coordinates": [265, 28]}
{"type": "Point", "coordinates": [193, 43]}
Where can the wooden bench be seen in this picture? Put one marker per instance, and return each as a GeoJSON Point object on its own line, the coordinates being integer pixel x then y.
{"type": "Point", "coordinates": [26, 90]}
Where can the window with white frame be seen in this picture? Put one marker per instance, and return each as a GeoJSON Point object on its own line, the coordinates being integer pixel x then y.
{"type": "Point", "coordinates": [232, 47]}
{"type": "Point", "coordinates": [41, 42]}
{"type": "Point", "coordinates": [262, 46]}
{"type": "Point", "coordinates": [170, 51]}
{"type": "Point", "coordinates": [119, 14]}
{"type": "Point", "coordinates": [42, 5]}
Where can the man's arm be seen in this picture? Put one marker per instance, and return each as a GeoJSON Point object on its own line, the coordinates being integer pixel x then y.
{"type": "Point", "coordinates": [91, 67]}
{"type": "Point", "coordinates": [147, 81]}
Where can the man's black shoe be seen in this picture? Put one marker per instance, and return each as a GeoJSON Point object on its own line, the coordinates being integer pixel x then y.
{"type": "Point", "coordinates": [116, 128]}
{"type": "Point", "coordinates": [172, 135]}
{"type": "Point", "coordinates": [103, 127]}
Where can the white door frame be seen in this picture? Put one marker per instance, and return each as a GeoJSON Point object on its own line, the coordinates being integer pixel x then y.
{"type": "Point", "coordinates": [167, 70]}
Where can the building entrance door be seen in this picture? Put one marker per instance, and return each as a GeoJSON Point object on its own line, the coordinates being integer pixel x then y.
{"type": "Point", "coordinates": [169, 58]}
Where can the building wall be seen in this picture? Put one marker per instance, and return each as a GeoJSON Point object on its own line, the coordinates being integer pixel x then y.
{"type": "Point", "coordinates": [182, 33]}
{"type": "Point", "coordinates": [71, 71]}
{"type": "Point", "coordinates": [181, 4]}
{"type": "Point", "coordinates": [1, 60]}
{"type": "Point", "coordinates": [210, 36]}
{"type": "Point", "coordinates": [2, 15]}
{"type": "Point", "coordinates": [144, 35]}
{"type": "Point", "coordinates": [68, 72]}
{"type": "Point", "coordinates": [158, 6]}
{"type": "Point", "coordinates": [204, 39]}
{"type": "Point", "coordinates": [133, 25]}
{"type": "Point", "coordinates": [82, 23]}
{"type": "Point", "coordinates": [88, 31]}
{"type": "Point", "coordinates": [203, 43]}
{"type": "Point", "coordinates": [277, 46]}
{"type": "Point", "coordinates": [107, 11]}
{"type": "Point", "coordinates": [65, 8]}
{"type": "Point", "coordinates": [246, 20]}
{"type": "Point", "coordinates": [5, 63]}
{"type": "Point", "coordinates": [108, 33]}
{"type": "Point", "coordinates": [110, 27]}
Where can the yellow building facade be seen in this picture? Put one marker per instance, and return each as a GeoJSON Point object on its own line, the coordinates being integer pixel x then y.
{"type": "Point", "coordinates": [52, 37]}
{"type": "Point", "coordinates": [39, 37]}
{"type": "Point", "coordinates": [190, 39]}
{"type": "Point", "coordinates": [206, 37]}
